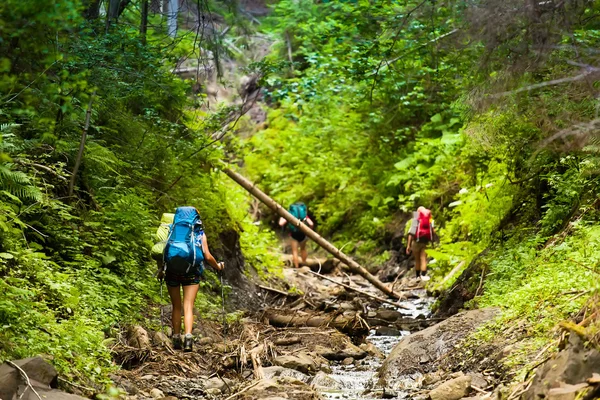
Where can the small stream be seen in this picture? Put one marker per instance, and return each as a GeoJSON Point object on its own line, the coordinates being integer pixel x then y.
{"type": "Point", "coordinates": [354, 380]}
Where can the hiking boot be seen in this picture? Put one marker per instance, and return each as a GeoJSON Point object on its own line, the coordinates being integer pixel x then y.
{"type": "Point", "coordinates": [425, 278]}
{"type": "Point", "coordinates": [176, 341]}
{"type": "Point", "coordinates": [187, 343]}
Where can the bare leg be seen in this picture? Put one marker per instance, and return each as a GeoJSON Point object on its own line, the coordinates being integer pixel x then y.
{"type": "Point", "coordinates": [423, 262]}
{"type": "Point", "coordinates": [303, 251]}
{"type": "Point", "coordinates": [175, 296]}
{"type": "Point", "coordinates": [295, 252]}
{"type": "Point", "coordinates": [189, 296]}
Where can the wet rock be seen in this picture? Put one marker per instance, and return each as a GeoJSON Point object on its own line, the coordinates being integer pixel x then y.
{"type": "Point", "coordinates": [453, 389]}
{"type": "Point", "coordinates": [372, 350]}
{"type": "Point", "coordinates": [387, 331]}
{"type": "Point", "coordinates": [431, 344]}
{"type": "Point", "coordinates": [301, 362]}
{"type": "Point", "coordinates": [338, 355]}
{"type": "Point", "coordinates": [571, 366]}
{"type": "Point", "coordinates": [323, 381]}
{"type": "Point", "coordinates": [278, 371]}
{"type": "Point", "coordinates": [348, 361]}
{"type": "Point", "coordinates": [388, 315]}
{"type": "Point", "coordinates": [157, 394]}
{"type": "Point", "coordinates": [326, 368]}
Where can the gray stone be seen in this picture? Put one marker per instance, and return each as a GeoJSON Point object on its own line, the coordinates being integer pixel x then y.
{"type": "Point", "coordinates": [478, 380]}
{"type": "Point", "coordinates": [338, 355]}
{"type": "Point", "coordinates": [323, 381]}
{"type": "Point", "coordinates": [156, 394]}
{"type": "Point", "coordinates": [372, 350]}
{"type": "Point", "coordinates": [300, 362]}
{"type": "Point", "coordinates": [454, 389]}
{"type": "Point", "coordinates": [387, 331]}
{"type": "Point", "coordinates": [213, 391]}
{"type": "Point", "coordinates": [223, 384]}
{"type": "Point", "coordinates": [571, 366]}
{"type": "Point", "coordinates": [40, 373]}
{"type": "Point", "coordinates": [388, 315]}
{"type": "Point", "coordinates": [567, 392]}
{"type": "Point", "coordinates": [278, 371]}
{"type": "Point", "coordinates": [203, 341]}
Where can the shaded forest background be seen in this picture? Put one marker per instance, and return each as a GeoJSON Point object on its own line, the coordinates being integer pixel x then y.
{"type": "Point", "coordinates": [484, 111]}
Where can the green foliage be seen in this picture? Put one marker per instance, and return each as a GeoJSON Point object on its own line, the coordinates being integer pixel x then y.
{"type": "Point", "coordinates": [78, 267]}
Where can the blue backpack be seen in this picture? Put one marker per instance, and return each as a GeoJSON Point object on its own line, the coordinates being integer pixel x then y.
{"type": "Point", "coordinates": [299, 211]}
{"type": "Point", "coordinates": [183, 251]}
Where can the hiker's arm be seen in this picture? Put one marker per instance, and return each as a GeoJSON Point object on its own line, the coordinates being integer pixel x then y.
{"type": "Point", "coordinates": [209, 257]}
{"type": "Point", "coordinates": [160, 270]}
{"type": "Point", "coordinates": [409, 244]}
{"type": "Point", "coordinates": [309, 222]}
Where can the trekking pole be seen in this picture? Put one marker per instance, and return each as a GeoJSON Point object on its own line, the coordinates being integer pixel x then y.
{"type": "Point", "coordinates": [223, 307]}
{"type": "Point", "coordinates": [162, 323]}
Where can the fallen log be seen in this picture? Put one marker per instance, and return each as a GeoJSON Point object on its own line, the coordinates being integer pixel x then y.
{"type": "Point", "coordinates": [287, 341]}
{"type": "Point", "coordinates": [352, 265]}
{"type": "Point", "coordinates": [372, 296]}
{"type": "Point", "coordinates": [353, 325]}
{"type": "Point", "coordinates": [318, 264]}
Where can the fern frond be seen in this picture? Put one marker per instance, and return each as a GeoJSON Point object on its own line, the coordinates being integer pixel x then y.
{"type": "Point", "coordinates": [17, 183]}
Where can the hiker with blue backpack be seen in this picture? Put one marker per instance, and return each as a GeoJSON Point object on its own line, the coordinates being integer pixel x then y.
{"type": "Point", "coordinates": [184, 253]}
{"type": "Point", "coordinates": [298, 238]}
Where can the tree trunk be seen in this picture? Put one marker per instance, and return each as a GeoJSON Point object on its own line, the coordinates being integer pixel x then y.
{"type": "Point", "coordinates": [352, 265]}
{"type": "Point", "coordinates": [144, 21]}
{"type": "Point", "coordinates": [81, 146]}
{"type": "Point", "coordinates": [112, 13]}
{"type": "Point", "coordinates": [92, 10]}
{"type": "Point", "coordinates": [348, 324]}
{"type": "Point", "coordinates": [172, 18]}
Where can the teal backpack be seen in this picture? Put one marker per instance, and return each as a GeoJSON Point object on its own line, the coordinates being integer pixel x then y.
{"type": "Point", "coordinates": [299, 211]}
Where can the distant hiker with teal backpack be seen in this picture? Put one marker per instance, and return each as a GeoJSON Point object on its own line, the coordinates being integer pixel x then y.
{"type": "Point", "coordinates": [298, 238]}
{"type": "Point", "coordinates": [184, 251]}
{"type": "Point", "coordinates": [421, 233]}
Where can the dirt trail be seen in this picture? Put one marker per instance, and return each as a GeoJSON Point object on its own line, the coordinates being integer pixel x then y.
{"type": "Point", "coordinates": [255, 359]}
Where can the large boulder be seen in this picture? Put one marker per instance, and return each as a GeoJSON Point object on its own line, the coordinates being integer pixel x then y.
{"type": "Point", "coordinates": [300, 362]}
{"type": "Point", "coordinates": [338, 355]}
{"type": "Point", "coordinates": [420, 352]}
{"type": "Point", "coordinates": [42, 376]}
{"type": "Point", "coordinates": [561, 376]}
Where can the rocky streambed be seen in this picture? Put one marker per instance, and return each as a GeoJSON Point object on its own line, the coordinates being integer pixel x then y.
{"type": "Point", "coordinates": [332, 344]}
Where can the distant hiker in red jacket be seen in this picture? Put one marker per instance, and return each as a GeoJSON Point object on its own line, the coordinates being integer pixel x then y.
{"type": "Point", "coordinates": [419, 236]}
{"type": "Point", "coordinates": [298, 237]}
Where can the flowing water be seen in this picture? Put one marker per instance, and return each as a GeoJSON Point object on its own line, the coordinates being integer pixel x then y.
{"type": "Point", "coordinates": [357, 382]}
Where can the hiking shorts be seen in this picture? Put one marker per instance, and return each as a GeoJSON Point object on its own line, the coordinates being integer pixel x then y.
{"type": "Point", "coordinates": [182, 280]}
{"type": "Point", "coordinates": [418, 247]}
{"type": "Point", "coordinates": [298, 236]}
